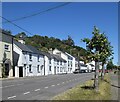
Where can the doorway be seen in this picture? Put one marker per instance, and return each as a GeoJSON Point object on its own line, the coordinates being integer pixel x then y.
{"type": "Point", "coordinates": [55, 70]}
{"type": "Point", "coordinates": [6, 69]}
{"type": "Point", "coordinates": [20, 71]}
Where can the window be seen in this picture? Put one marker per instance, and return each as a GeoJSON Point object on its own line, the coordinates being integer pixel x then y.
{"type": "Point", "coordinates": [30, 57]}
{"type": "Point", "coordinates": [57, 69]}
{"type": "Point", "coordinates": [6, 47]}
{"type": "Point", "coordinates": [60, 69]}
{"type": "Point", "coordinates": [49, 68]}
{"type": "Point", "coordinates": [38, 58]}
{"type": "Point", "coordinates": [57, 62]}
{"type": "Point", "coordinates": [60, 62]}
{"type": "Point", "coordinates": [38, 68]}
{"type": "Point", "coordinates": [49, 61]}
{"type": "Point", "coordinates": [42, 67]}
{"type": "Point", "coordinates": [30, 70]}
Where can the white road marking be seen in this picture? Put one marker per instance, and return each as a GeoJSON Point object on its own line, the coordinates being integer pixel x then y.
{"type": "Point", "coordinates": [46, 87]}
{"type": "Point", "coordinates": [63, 82]}
{"type": "Point", "coordinates": [58, 84]}
{"type": "Point", "coordinates": [12, 85]}
{"type": "Point", "coordinates": [52, 85]}
{"type": "Point", "coordinates": [8, 86]}
{"type": "Point", "coordinates": [19, 84]}
{"type": "Point", "coordinates": [37, 89]}
{"type": "Point", "coordinates": [26, 93]}
{"type": "Point", "coordinates": [11, 97]}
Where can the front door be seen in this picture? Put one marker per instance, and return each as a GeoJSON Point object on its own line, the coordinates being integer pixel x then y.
{"type": "Point", "coordinates": [20, 71]}
{"type": "Point", "coordinates": [7, 70]}
{"type": "Point", "coordinates": [54, 70]}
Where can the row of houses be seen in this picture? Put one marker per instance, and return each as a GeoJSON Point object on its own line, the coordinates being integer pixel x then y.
{"type": "Point", "coordinates": [21, 60]}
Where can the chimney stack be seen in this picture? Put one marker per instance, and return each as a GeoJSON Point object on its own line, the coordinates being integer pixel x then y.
{"type": "Point", "coordinates": [50, 51]}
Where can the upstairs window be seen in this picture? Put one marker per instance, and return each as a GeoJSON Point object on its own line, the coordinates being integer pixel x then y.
{"type": "Point", "coordinates": [38, 58]}
{"type": "Point", "coordinates": [57, 62]}
{"type": "Point", "coordinates": [49, 61]}
{"type": "Point", "coordinates": [30, 57]}
{"type": "Point", "coordinates": [6, 47]}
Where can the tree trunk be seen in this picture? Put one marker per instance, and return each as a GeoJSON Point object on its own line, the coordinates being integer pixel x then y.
{"type": "Point", "coordinates": [103, 72]}
{"type": "Point", "coordinates": [96, 76]}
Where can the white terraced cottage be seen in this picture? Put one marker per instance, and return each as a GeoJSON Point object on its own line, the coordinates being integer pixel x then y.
{"type": "Point", "coordinates": [70, 64]}
{"type": "Point", "coordinates": [27, 62]}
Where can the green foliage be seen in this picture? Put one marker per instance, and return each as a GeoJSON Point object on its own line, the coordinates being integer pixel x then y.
{"type": "Point", "coordinates": [98, 43]}
{"type": "Point", "coordinates": [45, 43]}
{"type": "Point", "coordinates": [110, 65]}
{"type": "Point", "coordinates": [69, 41]}
{"type": "Point", "coordinates": [7, 31]}
{"type": "Point", "coordinates": [3, 71]}
{"type": "Point", "coordinates": [21, 35]}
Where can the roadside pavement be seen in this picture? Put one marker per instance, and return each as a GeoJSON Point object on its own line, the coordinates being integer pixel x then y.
{"type": "Point", "coordinates": [115, 87]}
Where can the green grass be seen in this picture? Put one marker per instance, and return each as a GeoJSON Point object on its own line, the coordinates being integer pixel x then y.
{"type": "Point", "coordinates": [87, 92]}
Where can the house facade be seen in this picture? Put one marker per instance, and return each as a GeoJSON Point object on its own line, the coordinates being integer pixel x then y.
{"type": "Point", "coordinates": [6, 53]}
{"type": "Point", "coordinates": [54, 64]}
{"type": "Point", "coordinates": [71, 63]}
{"type": "Point", "coordinates": [30, 61]}
{"type": "Point", "coordinates": [63, 56]}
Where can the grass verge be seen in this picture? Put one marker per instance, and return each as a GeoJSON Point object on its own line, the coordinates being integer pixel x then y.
{"type": "Point", "coordinates": [87, 92]}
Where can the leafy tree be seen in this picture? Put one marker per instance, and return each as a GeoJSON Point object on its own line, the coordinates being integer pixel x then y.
{"type": "Point", "coordinates": [98, 48]}
{"type": "Point", "coordinates": [106, 52]}
{"type": "Point", "coordinates": [7, 31]}
{"type": "Point", "coordinates": [110, 65]}
{"type": "Point", "coordinates": [69, 41]}
{"type": "Point", "coordinates": [21, 35]}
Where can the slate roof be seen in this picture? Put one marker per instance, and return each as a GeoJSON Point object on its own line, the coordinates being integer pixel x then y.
{"type": "Point", "coordinates": [22, 46]}
{"type": "Point", "coordinates": [5, 32]}
{"type": "Point", "coordinates": [29, 48]}
{"type": "Point", "coordinates": [53, 56]}
{"type": "Point", "coordinates": [16, 57]}
{"type": "Point", "coordinates": [34, 50]}
{"type": "Point", "coordinates": [58, 58]}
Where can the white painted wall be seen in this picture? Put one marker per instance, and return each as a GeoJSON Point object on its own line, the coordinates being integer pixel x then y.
{"type": "Point", "coordinates": [24, 60]}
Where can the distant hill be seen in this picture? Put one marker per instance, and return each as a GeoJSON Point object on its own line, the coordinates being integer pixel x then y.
{"type": "Point", "coordinates": [44, 43]}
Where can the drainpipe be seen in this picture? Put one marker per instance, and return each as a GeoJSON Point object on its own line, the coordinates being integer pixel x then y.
{"type": "Point", "coordinates": [13, 59]}
{"type": "Point", "coordinates": [44, 65]}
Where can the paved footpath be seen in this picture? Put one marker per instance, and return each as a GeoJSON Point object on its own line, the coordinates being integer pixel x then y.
{"type": "Point", "coordinates": [115, 86]}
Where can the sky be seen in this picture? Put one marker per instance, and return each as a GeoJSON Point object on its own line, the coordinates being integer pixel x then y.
{"type": "Point", "coordinates": [76, 19]}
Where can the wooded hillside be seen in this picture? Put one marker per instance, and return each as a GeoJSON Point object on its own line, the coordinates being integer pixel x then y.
{"type": "Point", "coordinates": [44, 43]}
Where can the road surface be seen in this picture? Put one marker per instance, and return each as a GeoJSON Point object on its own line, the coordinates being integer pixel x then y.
{"type": "Point", "coordinates": [41, 88]}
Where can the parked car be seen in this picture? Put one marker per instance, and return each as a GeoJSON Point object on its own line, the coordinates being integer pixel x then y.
{"type": "Point", "coordinates": [76, 71]}
{"type": "Point", "coordinates": [106, 71]}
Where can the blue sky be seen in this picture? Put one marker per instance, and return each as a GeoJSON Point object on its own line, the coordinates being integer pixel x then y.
{"type": "Point", "coordinates": [75, 19]}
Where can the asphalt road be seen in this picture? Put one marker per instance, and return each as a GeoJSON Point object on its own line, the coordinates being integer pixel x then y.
{"type": "Point", "coordinates": [41, 88]}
